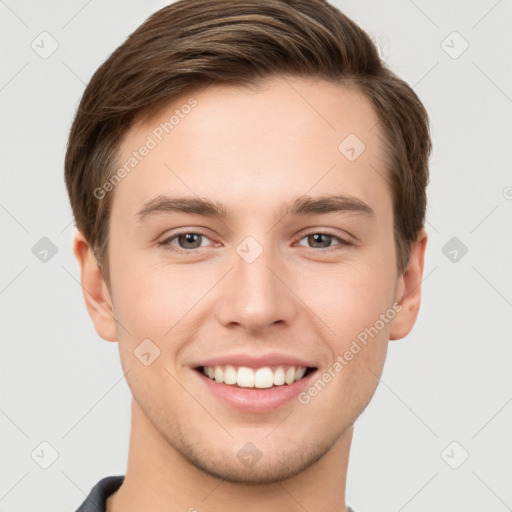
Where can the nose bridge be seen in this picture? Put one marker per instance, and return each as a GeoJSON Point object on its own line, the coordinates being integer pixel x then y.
{"type": "Point", "coordinates": [254, 297]}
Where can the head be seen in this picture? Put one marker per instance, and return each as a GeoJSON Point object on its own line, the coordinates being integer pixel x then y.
{"type": "Point", "coordinates": [252, 114]}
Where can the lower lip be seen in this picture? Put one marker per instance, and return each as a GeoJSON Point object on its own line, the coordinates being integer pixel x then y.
{"type": "Point", "coordinates": [253, 399]}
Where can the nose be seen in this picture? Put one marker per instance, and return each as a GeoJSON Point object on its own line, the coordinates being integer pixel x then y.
{"type": "Point", "coordinates": [255, 295]}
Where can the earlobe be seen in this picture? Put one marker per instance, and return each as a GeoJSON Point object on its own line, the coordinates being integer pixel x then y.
{"type": "Point", "coordinates": [409, 289]}
{"type": "Point", "coordinates": [97, 297]}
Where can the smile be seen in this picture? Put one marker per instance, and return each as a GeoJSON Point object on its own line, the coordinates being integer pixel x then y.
{"type": "Point", "coordinates": [261, 378]}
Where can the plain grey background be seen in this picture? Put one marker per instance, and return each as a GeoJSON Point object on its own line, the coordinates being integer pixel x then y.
{"type": "Point", "coordinates": [445, 392]}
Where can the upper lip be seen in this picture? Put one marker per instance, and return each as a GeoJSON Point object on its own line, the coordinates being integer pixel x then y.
{"type": "Point", "coordinates": [253, 361]}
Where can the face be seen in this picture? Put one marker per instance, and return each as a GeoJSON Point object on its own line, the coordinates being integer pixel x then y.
{"type": "Point", "coordinates": [252, 242]}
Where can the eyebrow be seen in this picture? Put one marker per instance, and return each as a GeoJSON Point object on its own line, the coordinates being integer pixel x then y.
{"type": "Point", "coordinates": [300, 206]}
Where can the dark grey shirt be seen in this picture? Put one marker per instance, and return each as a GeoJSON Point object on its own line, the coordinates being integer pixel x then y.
{"type": "Point", "coordinates": [97, 499]}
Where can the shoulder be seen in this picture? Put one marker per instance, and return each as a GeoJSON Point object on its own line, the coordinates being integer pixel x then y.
{"type": "Point", "coordinates": [97, 498]}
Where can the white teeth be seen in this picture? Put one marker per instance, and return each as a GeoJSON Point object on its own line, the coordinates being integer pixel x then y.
{"type": "Point", "coordinates": [229, 375]}
{"type": "Point", "coordinates": [219, 374]}
{"type": "Point", "coordinates": [244, 377]}
{"type": "Point", "coordinates": [290, 375]}
{"type": "Point", "coordinates": [279, 376]}
{"type": "Point", "coordinates": [261, 378]}
{"type": "Point", "coordinates": [300, 373]}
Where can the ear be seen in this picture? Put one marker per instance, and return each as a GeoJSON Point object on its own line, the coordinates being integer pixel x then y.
{"type": "Point", "coordinates": [409, 289]}
{"type": "Point", "coordinates": [96, 294]}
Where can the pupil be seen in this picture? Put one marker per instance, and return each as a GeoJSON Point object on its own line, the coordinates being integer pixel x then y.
{"type": "Point", "coordinates": [317, 238]}
{"type": "Point", "coordinates": [189, 238]}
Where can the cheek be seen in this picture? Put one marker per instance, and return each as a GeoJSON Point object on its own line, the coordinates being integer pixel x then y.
{"type": "Point", "coordinates": [158, 301]}
{"type": "Point", "coordinates": [353, 302]}
{"type": "Point", "coordinates": [356, 314]}
{"type": "Point", "coordinates": [348, 298]}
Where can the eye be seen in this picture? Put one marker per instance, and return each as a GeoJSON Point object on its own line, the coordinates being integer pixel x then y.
{"type": "Point", "coordinates": [184, 242]}
{"type": "Point", "coordinates": [321, 240]}
{"type": "Point", "coordinates": [187, 241]}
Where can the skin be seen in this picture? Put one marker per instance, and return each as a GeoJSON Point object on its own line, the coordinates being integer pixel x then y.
{"type": "Point", "coordinates": [253, 151]}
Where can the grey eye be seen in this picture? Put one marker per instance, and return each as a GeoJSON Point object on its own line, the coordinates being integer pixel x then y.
{"type": "Point", "coordinates": [189, 240]}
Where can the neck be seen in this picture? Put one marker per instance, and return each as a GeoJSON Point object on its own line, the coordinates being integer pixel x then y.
{"type": "Point", "coordinates": [160, 479]}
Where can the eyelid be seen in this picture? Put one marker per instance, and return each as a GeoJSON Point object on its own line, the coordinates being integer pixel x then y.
{"type": "Point", "coordinates": [166, 242]}
{"type": "Point", "coordinates": [343, 240]}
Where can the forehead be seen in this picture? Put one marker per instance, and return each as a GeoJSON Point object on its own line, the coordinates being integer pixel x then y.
{"type": "Point", "coordinates": [251, 146]}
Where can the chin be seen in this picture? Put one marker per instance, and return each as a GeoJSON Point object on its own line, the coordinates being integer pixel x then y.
{"type": "Point", "coordinates": [252, 467]}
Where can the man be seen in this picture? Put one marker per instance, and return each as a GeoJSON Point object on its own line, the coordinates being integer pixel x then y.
{"type": "Point", "coordinates": [248, 182]}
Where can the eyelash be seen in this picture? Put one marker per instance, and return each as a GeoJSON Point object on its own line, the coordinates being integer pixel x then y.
{"type": "Point", "coordinates": [166, 244]}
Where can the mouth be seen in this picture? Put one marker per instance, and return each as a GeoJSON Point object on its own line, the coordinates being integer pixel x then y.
{"type": "Point", "coordinates": [265, 377]}
{"type": "Point", "coordinates": [254, 383]}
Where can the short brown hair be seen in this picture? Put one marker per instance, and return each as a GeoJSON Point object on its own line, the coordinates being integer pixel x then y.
{"type": "Point", "coordinates": [196, 43]}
